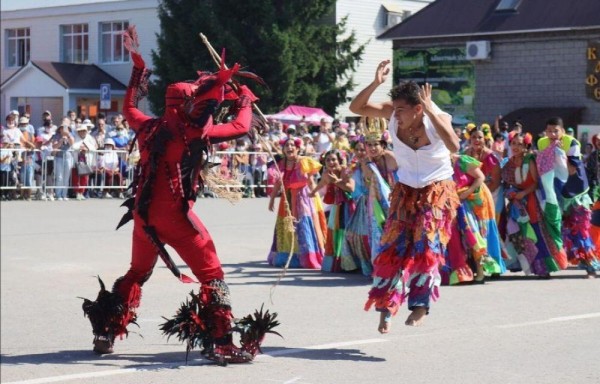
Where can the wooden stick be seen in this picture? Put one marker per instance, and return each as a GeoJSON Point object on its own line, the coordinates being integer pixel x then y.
{"type": "Point", "coordinates": [289, 219]}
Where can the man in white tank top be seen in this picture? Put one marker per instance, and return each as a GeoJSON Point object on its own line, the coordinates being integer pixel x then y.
{"type": "Point", "coordinates": [423, 202]}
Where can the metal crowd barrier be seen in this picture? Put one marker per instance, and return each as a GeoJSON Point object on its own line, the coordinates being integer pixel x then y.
{"type": "Point", "coordinates": [45, 172]}
{"type": "Point", "coordinates": [54, 172]}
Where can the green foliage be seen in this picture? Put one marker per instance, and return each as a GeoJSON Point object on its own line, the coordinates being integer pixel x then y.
{"type": "Point", "coordinates": [294, 46]}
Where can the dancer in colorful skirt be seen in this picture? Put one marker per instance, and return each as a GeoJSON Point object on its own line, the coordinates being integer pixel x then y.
{"type": "Point", "coordinates": [562, 172]}
{"type": "Point", "coordinates": [595, 224]}
{"type": "Point", "coordinates": [479, 138]}
{"type": "Point", "coordinates": [307, 243]}
{"type": "Point", "coordinates": [533, 237]}
{"type": "Point", "coordinates": [471, 244]}
{"type": "Point", "coordinates": [339, 187]}
{"type": "Point", "coordinates": [423, 203]}
{"type": "Point", "coordinates": [173, 150]}
{"type": "Point", "coordinates": [371, 196]}
{"type": "Point", "coordinates": [594, 166]}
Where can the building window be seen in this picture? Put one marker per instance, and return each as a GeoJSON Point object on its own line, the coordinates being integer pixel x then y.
{"type": "Point", "coordinates": [508, 5]}
{"type": "Point", "coordinates": [111, 42]}
{"type": "Point", "coordinates": [18, 47]}
{"type": "Point", "coordinates": [74, 40]}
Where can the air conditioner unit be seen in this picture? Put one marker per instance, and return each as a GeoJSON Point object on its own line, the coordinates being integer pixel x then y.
{"type": "Point", "coordinates": [393, 19]}
{"type": "Point", "coordinates": [478, 50]}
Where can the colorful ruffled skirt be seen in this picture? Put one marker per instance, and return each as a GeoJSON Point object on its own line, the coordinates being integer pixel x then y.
{"type": "Point", "coordinates": [413, 246]}
{"type": "Point", "coordinates": [337, 255]}
{"type": "Point", "coordinates": [531, 245]}
{"type": "Point", "coordinates": [475, 239]}
{"type": "Point", "coordinates": [595, 224]}
{"type": "Point", "coordinates": [577, 237]}
{"type": "Point", "coordinates": [365, 228]}
{"type": "Point", "coordinates": [364, 232]}
{"type": "Point", "coordinates": [308, 246]}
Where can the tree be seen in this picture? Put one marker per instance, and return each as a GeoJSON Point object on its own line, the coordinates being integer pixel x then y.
{"type": "Point", "coordinates": [294, 45]}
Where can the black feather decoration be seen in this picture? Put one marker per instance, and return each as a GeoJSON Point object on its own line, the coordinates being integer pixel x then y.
{"type": "Point", "coordinates": [253, 329]}
{"type": "Point", "coordinates": [189, 325]}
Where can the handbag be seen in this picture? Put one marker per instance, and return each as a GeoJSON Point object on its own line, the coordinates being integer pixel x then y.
{"type": "Point", "coordinates": [83, 169]}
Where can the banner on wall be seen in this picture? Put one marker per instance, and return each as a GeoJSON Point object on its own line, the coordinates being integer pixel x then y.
{"type": "Point", "coordinates": [451, 75]}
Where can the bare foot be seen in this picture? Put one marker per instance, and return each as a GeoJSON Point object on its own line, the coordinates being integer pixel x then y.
{"type": "Point", "coordinates": [385, 321]}
{"type": "Point", "coordinates": [416, 317]}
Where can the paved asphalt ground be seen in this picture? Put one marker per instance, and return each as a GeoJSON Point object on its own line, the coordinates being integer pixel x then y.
{"type": "Point", "coordinates": [513, 330]}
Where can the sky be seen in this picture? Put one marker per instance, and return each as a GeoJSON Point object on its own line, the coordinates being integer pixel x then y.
{"type": "Point", "coordinates": [11, 5]}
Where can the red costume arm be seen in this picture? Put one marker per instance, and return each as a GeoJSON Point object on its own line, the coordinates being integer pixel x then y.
{"type": "Point", "coordinates": [238, 127]}
{"type": "Point", "coordinates": [134, 116]}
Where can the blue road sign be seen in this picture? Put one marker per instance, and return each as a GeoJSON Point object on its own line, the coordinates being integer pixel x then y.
{"type": "Point", "coordinates": [105, 96]}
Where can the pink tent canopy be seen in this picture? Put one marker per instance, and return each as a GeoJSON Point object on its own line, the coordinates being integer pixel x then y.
{"type": "Point", "coordinates": [293, 114]}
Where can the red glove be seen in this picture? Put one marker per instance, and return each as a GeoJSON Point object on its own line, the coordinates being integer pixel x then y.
{"type": "Point", "coordinates": [138, 62]}
{"type": "Point", "coordinates": [245, 91]}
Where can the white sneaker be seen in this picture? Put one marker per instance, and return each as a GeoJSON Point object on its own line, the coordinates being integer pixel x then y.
{"type": "Point", "coordinates": [66, 199]}
{"type": "Point", "coordinates": [60, 199]}
{"type": "Point", "coordinates": [79, 196]}
{"type": "Point", "coordinates": [43, 197]}
{"type": "Point", "coordinates": [121, 196]}
{"type": "Point", "coordinates": [51, 197]}
{"type": "Point", "coordinates": [107, 195]}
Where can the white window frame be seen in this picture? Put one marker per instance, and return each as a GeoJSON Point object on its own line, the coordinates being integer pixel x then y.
{"type": "Point", "coordinates": [18, 47]}
{"type": "Point", "coordinates": [114, 39]}
{"type": "Point", "coordinates": [67, 32]}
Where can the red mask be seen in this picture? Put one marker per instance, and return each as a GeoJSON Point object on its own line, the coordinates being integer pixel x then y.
{"type": "Point", "coordinates": [200, 99]}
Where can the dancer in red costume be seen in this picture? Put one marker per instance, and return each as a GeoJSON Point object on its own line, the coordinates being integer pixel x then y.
{"type": "Point", "coordinates": [173, 150]}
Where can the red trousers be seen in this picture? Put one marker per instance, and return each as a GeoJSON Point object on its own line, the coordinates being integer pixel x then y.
{"type": "Point", "coordinates": [193, 245]}
{"type": "Point", "coordinates": [79, 182]}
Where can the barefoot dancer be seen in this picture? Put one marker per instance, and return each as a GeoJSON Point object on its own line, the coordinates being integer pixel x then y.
{"type": "Point", "coordinates": [423, 202]}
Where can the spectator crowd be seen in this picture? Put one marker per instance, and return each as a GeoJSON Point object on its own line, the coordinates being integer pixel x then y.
{"type": "Point", "coordinates": [80, 159]}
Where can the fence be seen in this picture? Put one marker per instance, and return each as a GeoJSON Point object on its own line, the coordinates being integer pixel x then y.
{"type": "Point", "coordinates": [48, 173]}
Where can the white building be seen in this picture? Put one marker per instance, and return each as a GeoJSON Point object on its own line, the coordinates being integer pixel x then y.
{"type": "Point", "coordinates": [56, 53]}
{"type": "Point", "coordinates": [369, 19]}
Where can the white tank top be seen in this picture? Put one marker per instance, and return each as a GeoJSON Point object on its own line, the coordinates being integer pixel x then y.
{"type": "Point", "coordinates": [427, 164]}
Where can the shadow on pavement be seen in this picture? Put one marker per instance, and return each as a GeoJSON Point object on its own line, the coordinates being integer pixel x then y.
{"type": "Point", "coordinates": [149, 361]}
{"type": "Point", "coordinates": [267, 275]}
{"type": "Point", "coordinates": [173, 360]}
{"type": "Point", "coordinates": [321, 354]}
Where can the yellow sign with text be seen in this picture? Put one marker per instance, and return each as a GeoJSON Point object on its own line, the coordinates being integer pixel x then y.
{"type": "Point", "coordinates": [592, 76]}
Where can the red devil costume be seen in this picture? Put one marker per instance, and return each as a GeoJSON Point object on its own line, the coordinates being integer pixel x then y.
{"type": "Point", "coordinates": [173, 149]}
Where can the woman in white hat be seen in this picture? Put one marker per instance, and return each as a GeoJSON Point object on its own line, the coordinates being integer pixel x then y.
{"type": "Point", "coordinates": [85, 148]}
{"type": "Point", "coordinates": [108, 165]}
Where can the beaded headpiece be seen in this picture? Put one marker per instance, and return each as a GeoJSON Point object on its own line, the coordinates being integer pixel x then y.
{"type": "Point", "coordinates": [375, 127]}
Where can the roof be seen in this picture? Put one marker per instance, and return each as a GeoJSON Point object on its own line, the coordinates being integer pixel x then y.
{"type": "Point", "coordinates": [75, 76]}
{"type": "Point", "coordinates": [444, 18]}
{"type": "Point", "coordinates": [533, 119]}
